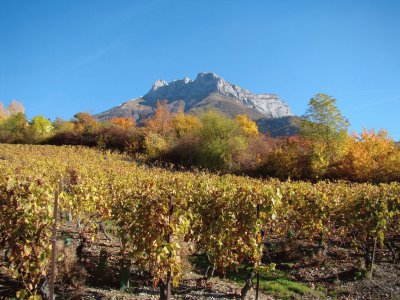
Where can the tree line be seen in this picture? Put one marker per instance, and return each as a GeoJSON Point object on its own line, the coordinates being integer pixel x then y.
{"type": "Point", "coordinates": [323, 149]}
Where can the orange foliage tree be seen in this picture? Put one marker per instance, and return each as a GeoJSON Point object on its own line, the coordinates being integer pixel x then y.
{"type": "Point", "coordinates": [124, 123]}
{"type": "Point", "coordinates": [85, 123]}
{"type": "Point", "coordinates": [3, 112]}
{"type": "Point", "coordinates": [161, 121]}
{"type": "Point", "coordinates": [15, 107]}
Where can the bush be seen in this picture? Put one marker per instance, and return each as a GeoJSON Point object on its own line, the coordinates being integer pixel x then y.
{"type": "Point", "coordinates": [71, 138]}
{"type": "Point", "coordinates": [115, 138]}
{"type": "Point", "coordinates": [220, 142]}
{"type": "Point", "coordinates": [14, 129]}
{"type": "Point", "coordinates": [155, 145]}
{"type": "Point", "coordinates": [291, 159]}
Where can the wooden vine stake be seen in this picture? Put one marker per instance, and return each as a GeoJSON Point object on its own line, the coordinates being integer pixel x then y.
{"type": "Point", "coordinates": [54, 241]}
{"type": "Point", "coordinates": [373, 257]}
{"type": "Point", "coordinates": [258, 262]}
{"type": "Point", "coordinates": [256, 266]}
{"type": "Point", "coordinates": [166, 288]}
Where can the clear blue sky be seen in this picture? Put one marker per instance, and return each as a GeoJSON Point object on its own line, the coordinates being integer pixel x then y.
{"type": "Point", "coordinates": [61, 57]}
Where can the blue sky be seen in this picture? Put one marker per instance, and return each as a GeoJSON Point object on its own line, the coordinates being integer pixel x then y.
{"type": "Point", "coordinates": [61, 57]}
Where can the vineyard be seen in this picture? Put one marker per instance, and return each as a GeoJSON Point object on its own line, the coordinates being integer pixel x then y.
{"type": "Point", "coordinates": [153, 217]}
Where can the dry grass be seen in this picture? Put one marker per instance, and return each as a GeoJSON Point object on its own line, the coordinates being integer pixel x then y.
{"type": "Point", "coordinates": [69, 272]}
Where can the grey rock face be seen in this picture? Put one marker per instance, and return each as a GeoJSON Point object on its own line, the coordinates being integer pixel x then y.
{"type": "Point", "coordinates": [207, 91]}
{"type": "Point", "coordinates": [206, 83]}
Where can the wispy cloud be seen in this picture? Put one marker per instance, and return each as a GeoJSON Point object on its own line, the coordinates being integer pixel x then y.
{"type": "Point", "coordinates": [373, 103]}
{"type": "Point", "coordinates": [91, 57]}
{"type": "Point", "coordinates": [134, 10]}
{"type": "Point", "coordinates": [373, 91]}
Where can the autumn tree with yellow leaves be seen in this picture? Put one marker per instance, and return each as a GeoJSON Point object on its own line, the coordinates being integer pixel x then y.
{"type": "Point", "coordinates": [326, 128]}
{"type": "Point", "coordinates": [248, 127]}
{"type": "Point", "coordinates": [370, 157]}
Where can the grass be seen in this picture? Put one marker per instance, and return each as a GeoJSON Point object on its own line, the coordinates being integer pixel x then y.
{"type": "Point", "coordinates": [272, 282]}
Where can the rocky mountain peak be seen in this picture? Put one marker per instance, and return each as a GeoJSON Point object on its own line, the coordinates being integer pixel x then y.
{"type": "Point", "coordinates": [159, 83]}
{"type": "Point", "coordinates": [206, 83]}
{"type": "Point", "coordinates": [186, 79]}
{"type": "Point", "coordinates": [208, 77]}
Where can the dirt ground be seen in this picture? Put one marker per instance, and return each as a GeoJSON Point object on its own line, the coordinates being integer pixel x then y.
{"type": "Point", "coordinates": [339, 270]}
{"type": "Point", "coordinates": [336, 273]}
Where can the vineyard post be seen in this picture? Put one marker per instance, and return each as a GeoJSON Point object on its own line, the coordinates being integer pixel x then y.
{"type": "Point", "coordinates": [169, 282]}
{"type": "Point", "coordinates": [54, 241]}
{"type": "Point", "coordinates": [373, 257]}
{"type": "Point", "coordinates": [258, 269]}
{"type": "Point", "coordinates": [165, 289]}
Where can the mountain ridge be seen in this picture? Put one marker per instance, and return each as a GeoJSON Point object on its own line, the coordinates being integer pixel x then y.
{"type": "Point", "coordinates": [206, 91]}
